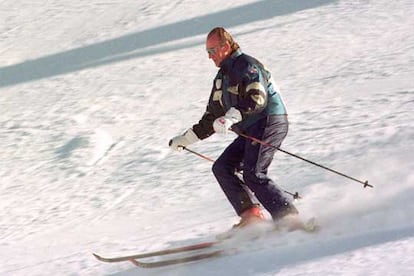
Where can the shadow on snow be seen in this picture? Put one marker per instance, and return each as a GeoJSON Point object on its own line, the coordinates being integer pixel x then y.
{"type": "Point", "coordinates": [125, 47]}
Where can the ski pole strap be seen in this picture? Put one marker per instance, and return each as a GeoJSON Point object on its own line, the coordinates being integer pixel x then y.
{"type": "Point", "coordinates": [301, 158]}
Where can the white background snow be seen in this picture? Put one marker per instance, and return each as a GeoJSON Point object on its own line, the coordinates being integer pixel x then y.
{"type": "Point", "coordinates": [92, 91]}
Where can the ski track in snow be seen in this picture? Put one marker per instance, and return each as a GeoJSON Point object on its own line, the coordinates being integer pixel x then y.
{"type": "Point", "coordinates": [91, 92]}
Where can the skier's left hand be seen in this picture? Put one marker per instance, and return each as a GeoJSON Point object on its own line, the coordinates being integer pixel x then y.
{"type": "Point", "coordinates": [181, 141]}
{"type": "Point", "coordinates": [222, 124]}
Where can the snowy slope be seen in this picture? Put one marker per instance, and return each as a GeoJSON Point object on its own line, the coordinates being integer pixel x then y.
{"type": "Point", "coordinates": [91, 92]}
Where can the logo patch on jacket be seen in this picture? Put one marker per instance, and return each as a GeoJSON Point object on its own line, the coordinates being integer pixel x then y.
{"type": "Point", "coordinates": [217, 95]}
{"type": "Point", "coordinates": [233, 89]}
{"type": "Point", "coordinates": [218, 83]}
{"type": "Point", "coordinates": [253, 70]}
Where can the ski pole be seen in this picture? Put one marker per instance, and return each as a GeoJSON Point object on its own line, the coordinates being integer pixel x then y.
{"type": "Point", "coordinates": [294, 195]}
{"type": "Point", "coordinates": [199, 154]}
{"type": "Point", "coordinates": [301, 158]}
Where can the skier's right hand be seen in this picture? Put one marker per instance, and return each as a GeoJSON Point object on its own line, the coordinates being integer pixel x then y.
{"type": "Point", "coordinates": [187, 138]}
{"type": "Point", "coordinates": [223, 124]}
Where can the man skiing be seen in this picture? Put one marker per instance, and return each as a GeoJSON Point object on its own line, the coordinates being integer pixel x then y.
{"type": "Point", "coordinates": [245, 99]}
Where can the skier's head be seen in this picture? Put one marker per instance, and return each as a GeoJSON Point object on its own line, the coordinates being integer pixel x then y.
{"type": "Point", "coordinates": [220, 45]}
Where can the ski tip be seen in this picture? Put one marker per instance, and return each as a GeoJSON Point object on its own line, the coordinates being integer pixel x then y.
{"type": "Point", "coordinates": [97, 256]}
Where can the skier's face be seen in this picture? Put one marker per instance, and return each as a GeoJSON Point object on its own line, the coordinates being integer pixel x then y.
{"type": "Point", "coordinates": [217, 51]}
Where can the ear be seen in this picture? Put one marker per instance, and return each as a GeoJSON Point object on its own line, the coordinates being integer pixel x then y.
{"type": "Point", "coordinates": [227, 48]}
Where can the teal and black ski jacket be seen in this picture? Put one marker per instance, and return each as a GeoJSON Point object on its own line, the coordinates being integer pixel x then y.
{"type": "Point", "coordinates": [244, 83]}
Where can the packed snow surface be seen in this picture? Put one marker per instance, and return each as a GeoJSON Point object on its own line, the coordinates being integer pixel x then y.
{"type": "Point", "coordinates": [92, 91]}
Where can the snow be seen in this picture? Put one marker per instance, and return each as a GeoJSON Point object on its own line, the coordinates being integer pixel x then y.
{"type": "Point", "coordinates": [92, 91]}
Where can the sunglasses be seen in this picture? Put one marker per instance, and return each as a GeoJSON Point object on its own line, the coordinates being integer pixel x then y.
{"type": "Point", "coordinates": [213, 50]}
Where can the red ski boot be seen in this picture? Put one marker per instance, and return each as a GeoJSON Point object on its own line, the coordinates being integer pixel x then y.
{"type": "Point", "coordinates": [249, 217]}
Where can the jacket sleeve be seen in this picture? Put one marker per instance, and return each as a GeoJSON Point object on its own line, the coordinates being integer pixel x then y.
{"type": "Point", "coordinates": [204, 128]}
{"type": "Point", "coordinates": [253, 95]}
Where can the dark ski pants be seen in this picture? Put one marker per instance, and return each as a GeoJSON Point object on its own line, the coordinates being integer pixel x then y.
{"type": "Point", "coordinates": [254, 159]}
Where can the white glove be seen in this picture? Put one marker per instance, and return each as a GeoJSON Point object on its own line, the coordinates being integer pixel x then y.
{"type": "Point", "coordinates": [187, 138]}
{"type": "Point", "coordinates": [223, 123]}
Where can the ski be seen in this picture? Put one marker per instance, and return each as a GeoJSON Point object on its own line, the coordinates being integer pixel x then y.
{"type": "Point", "coordinates": [179, 260]}
{"type": "Point", "coordinates": [163, 252]}
{"type": "Point", "coordinates": [309, 226]}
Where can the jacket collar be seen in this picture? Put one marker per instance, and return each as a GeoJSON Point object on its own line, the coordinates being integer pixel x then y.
{"type": "Point", "coordinates": [228, 62]}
